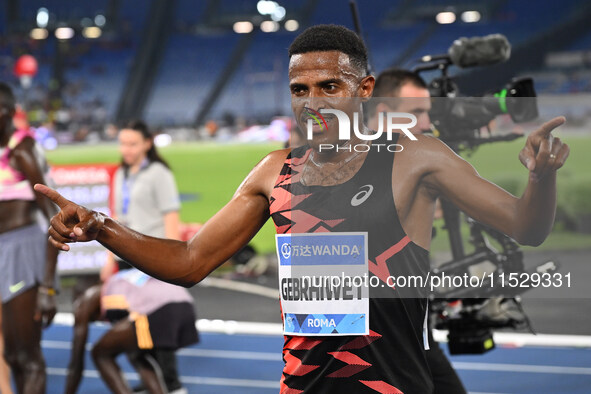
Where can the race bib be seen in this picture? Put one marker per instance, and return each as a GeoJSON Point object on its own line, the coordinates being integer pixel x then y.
{"type": "Point", "coordinates": [323, 283]}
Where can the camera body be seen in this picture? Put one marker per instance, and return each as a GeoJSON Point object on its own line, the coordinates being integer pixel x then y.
{"type": "Point", "coordinates": [460, 119]}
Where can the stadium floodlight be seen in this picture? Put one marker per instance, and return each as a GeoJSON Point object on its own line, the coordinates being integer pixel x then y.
{"type": "Point", "coordinates": [42, 17]}
{"type": "Point", "coordinates": [269, 26]}
{"type": "Point", "coordinates": [86, 22]}
{"type": "Point", "coordinates": [64, 33]}
{"type": "Point", "coordinates": [445, 18]}
{"type": "Point", "coordinates": [242, 27]}
{"type": "Point", "coordinates": [470, 16]}
{"type": "Point", "coordinates": [291, 25]}
{"type": "Point", "coordinates": [39, 34]}
{"type": "Point", "coordinates": [92, 32]}
{"type": "Point", "coordinates": [162, 140]}
{"type": "Point", "coordinates": [278, 14]}
{"type": "Point", "coordinates": [266, 7]}
{"type": "Point", "coordinates": [100, 20]}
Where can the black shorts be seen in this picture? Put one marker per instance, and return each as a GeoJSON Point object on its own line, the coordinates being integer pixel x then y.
{"type": "Point", "coordinates": [172, 326]}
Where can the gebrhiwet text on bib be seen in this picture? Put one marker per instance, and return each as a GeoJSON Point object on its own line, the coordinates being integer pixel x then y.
{"type": "Point", "coordinates": [323, 283]}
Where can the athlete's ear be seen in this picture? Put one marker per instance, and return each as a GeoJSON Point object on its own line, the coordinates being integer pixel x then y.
{"type": "Point", "coordinates": [366, 87]}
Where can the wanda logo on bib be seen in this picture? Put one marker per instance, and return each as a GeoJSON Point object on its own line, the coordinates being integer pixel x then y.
{"type": "Point", "coordinates": [317, 282]}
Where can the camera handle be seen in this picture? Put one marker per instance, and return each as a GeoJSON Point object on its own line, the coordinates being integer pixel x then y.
{"type": "Point", "coordinates": [451, 218]}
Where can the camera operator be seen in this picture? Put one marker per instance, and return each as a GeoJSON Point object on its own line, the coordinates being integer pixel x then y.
{"type": "Point", "coordinates": [405, 91]}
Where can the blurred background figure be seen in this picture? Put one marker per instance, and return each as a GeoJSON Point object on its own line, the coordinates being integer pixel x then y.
{"type": "Point", "coordinates": [151, 318]}
{"type": "Point", "coordinates": [27, 261]}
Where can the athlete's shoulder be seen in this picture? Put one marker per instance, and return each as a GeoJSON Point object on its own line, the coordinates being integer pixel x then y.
{"type": "Point", "coordinates": [23, 150]}
{"type": "Point", "coordinates": [22, 144]}
{"type": "Point", "coordinates": [427, 146]}
{"type": "Point", "coordinates": [261, 179]}
{"type": "Point", "coordinates": [274, 160]}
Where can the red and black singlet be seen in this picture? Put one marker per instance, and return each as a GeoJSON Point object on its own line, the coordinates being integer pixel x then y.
{"type": "Point", "coordinates": [391, 358]}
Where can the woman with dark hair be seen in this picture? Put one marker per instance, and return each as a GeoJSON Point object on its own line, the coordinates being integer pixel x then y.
{"type": "Point", "coordinates": [27, 261]}
{"type": "Point", "coordinates": [151, 319]}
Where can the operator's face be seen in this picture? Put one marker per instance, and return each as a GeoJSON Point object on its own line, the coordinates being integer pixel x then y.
{"type": "Point", "coordinates": [326, 80]}
{"type": "Point", "coordinates": [418, 103]}
{"type": "Point", "coordinates": [133, 146]}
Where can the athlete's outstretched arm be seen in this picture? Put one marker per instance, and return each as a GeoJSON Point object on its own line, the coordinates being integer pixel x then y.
{"type": "Point", "coordinates": [182, 263]}
{"type": "Point", "coordinates": [527, 219]}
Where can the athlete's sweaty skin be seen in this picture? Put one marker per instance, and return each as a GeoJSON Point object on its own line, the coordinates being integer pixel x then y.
{"type": "Point", "coordinates": [426, 169]}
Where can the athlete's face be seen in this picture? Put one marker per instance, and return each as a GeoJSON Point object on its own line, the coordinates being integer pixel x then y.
{"type": "Point", "coordinates": [325, 80]}
{"type": "Point", "coordinates": [133, 146]}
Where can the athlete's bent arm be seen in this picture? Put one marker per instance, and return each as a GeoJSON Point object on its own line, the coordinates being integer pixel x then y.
{"type": "Point", "coordinates": [528, 219]}
{"type": "Point", "coordinates": [182, 263]}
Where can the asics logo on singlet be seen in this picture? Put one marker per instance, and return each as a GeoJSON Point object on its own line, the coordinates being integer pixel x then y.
{"type": "Point", "coordinates": [361, 196]}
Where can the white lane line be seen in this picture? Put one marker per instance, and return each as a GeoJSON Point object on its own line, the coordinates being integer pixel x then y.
{"type": "Point", "coordinates": [254, 328]}
{"type": "Point", "coordinates": [239, 327]}
{"type": "Point", "coordinates": [189, 352]}
{"type": "Point", "coordinates": [231, 354]}
{"type": "Point", "coordinates": [266, 384]}
{"type": "Point", "coordinates": [203, 325]}
{"type": "Point", "coordinates": [553, 369]}
{"type": "Point", "coordinates": [244, 287]}
{"type": "Point", "coordinates": [268, 356]}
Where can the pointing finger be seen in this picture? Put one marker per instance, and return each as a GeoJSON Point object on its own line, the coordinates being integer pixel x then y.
{"type": "Point", "coordinates": [550, 125]}
{"type": "Point", "coordinates": [52, 195]}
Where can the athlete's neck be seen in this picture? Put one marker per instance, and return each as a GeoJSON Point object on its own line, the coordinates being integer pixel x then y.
{"type": "Point", "coordinates": [339, 153]}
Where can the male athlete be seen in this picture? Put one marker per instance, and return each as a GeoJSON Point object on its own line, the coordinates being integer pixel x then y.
{"type": "Point", "coordinates": [309, 191]}
{"type": "Point", "coordinates": [399, 90]}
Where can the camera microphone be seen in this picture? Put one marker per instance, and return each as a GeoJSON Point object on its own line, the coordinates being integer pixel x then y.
{"type": "Point", "coordinates": [479, 51]}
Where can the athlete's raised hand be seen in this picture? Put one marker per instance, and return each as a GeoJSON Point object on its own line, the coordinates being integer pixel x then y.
{"type": "Point", "coordinates": [543, 153]}
{"type": "Point", "coordinates": [73, 223]}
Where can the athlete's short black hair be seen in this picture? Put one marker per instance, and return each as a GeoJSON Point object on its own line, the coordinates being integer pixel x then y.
{"type": "Point", "coordinates": [332, 38]}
